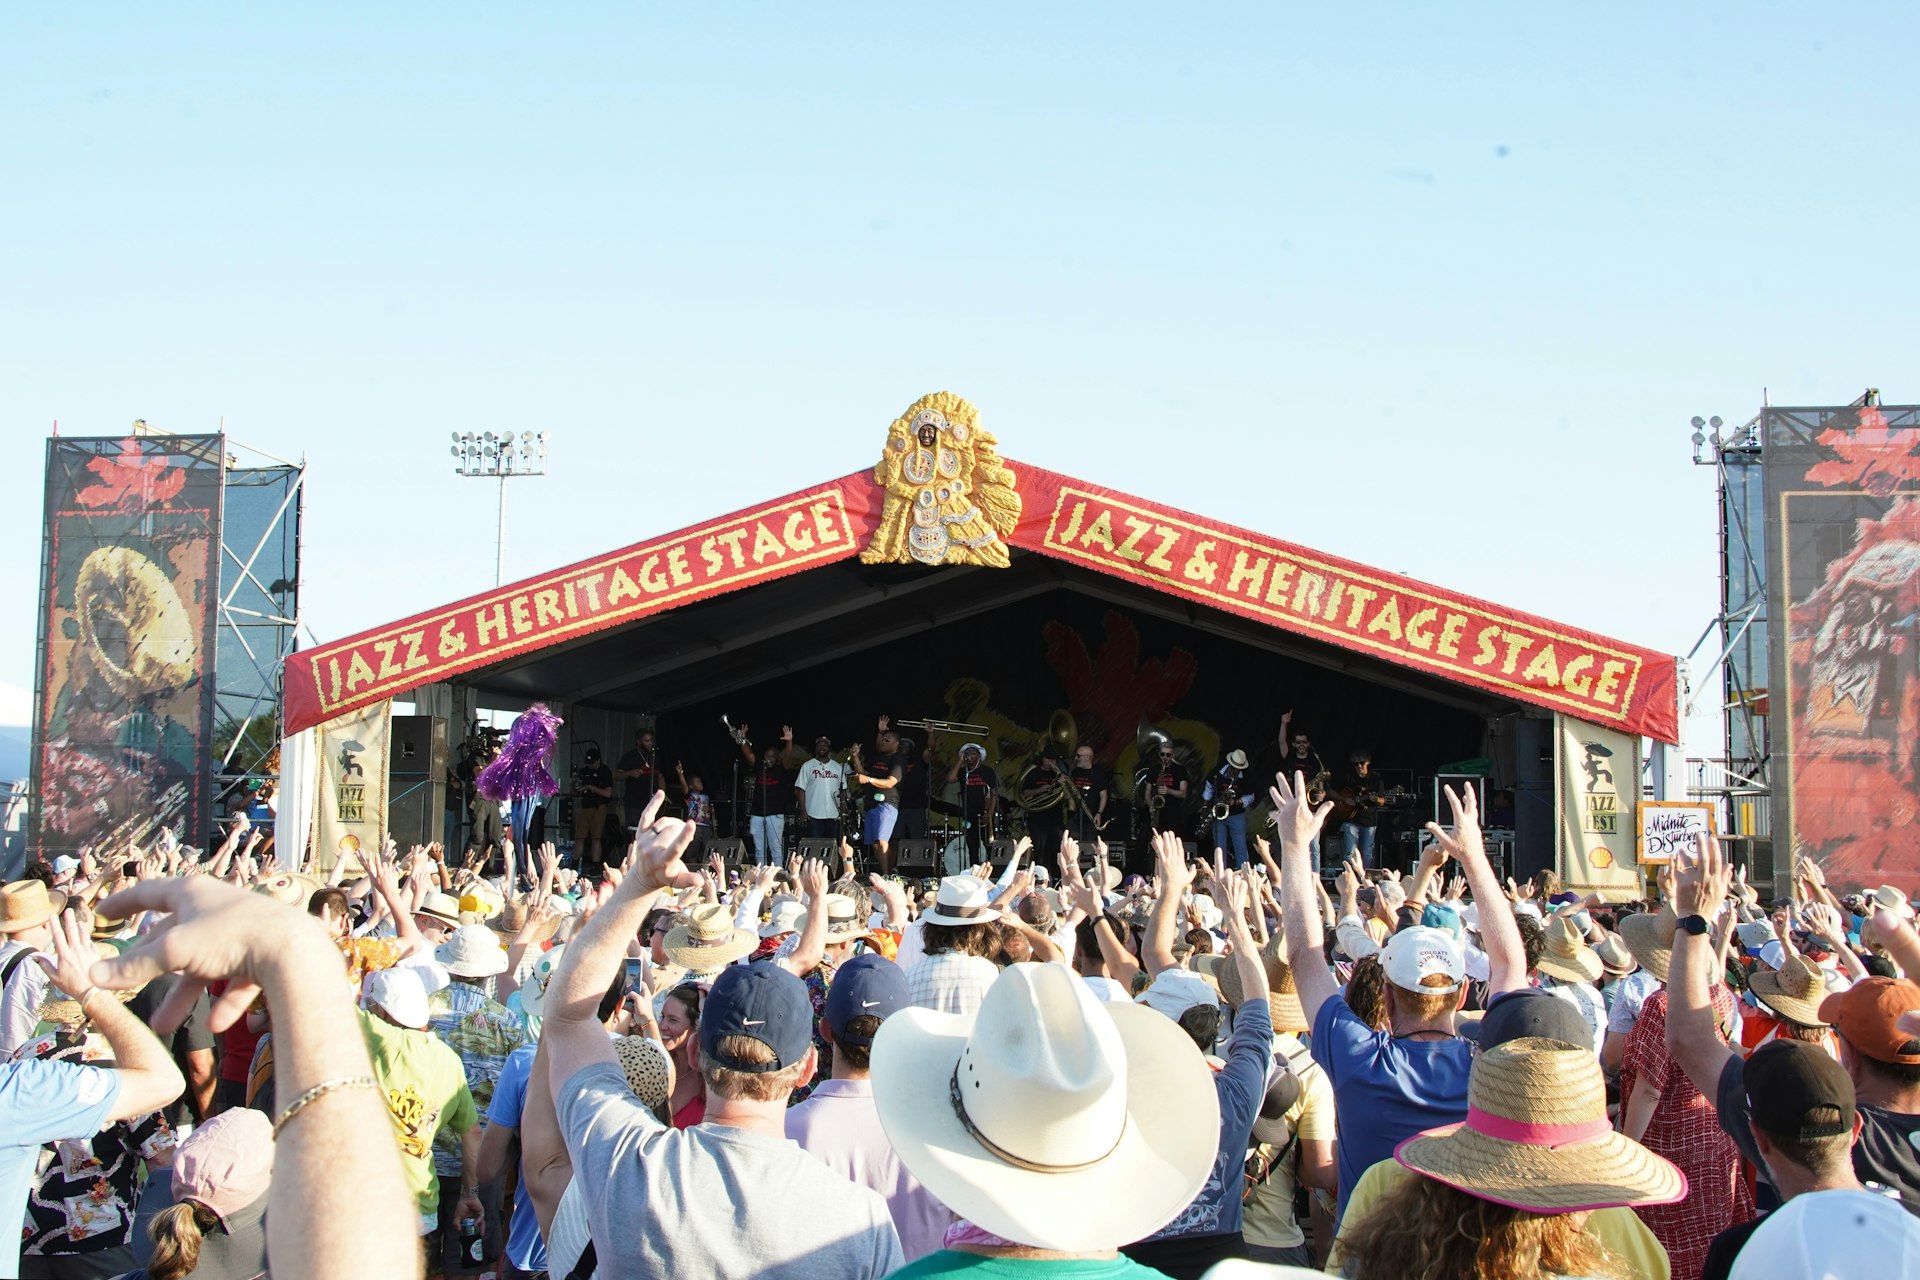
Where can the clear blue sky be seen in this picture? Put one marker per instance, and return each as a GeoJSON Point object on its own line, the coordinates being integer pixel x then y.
{"type": "Point", "coordinates": [1433, 286]}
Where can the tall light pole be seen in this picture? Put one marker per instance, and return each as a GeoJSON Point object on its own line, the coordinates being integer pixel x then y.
{"type": "Point", "coordinates": [497, 455]}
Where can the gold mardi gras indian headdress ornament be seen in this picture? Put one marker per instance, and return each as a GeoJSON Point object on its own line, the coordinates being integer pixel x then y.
{"type": "Point", "coordinates": [949, 497]}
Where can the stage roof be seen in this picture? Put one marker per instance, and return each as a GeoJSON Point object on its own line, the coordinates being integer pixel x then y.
{"type": "Point", "coordinates": [782, 586]}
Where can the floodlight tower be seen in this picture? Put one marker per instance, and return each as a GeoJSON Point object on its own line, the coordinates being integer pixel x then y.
{"type": "Point", "coordinates": [497, 455]}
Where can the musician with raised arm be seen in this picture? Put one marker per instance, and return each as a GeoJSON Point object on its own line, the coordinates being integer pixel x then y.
{"type": "Point", "coordinates": [882, 777]}
{"type": "Point", "coordinates": [769, 793]}
{"type": "Point", "coordinates": [1298, 756]}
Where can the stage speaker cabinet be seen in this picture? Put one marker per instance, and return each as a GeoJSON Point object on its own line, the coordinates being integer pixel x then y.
{"type": "Point", "coordinates": [417, 780]}
{"type": "Point", "coordinates": [732, 851]}
{"type": "Point", "coordinates": [811, 847]}
{"type": "Point", "coordinates": [917, 858]}
{"type": "Point", "coordinates": [1000, 852]}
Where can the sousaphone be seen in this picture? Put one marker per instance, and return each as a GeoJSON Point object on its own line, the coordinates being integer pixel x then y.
{"type": "Point", "coordinates": [1063, 739]}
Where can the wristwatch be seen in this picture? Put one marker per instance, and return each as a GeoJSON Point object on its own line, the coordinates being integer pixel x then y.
{"type": "Point", "coordinates": [1695, 925]}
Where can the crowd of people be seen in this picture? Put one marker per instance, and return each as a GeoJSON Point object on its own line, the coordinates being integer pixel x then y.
{"type": "Point", "coordinates": [221, 1067]}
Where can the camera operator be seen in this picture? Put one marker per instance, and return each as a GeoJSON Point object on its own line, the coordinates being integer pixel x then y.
{"type": "Point", "coordinates": [592, 790]}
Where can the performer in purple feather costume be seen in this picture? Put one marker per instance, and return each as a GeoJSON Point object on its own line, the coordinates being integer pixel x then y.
{"type": "Point", "coordinates": [522, 775]}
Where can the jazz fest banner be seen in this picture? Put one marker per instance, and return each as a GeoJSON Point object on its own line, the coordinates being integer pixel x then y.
{"type": "Point", "coordinates": [124, 706]}
{"type": "Point", "coordinates": [1843, 546]}
{"type": "Point", "coordinates": [1283, 585]}
{"type": "Point", "coordinates": [1596, 788]}
{"type": "Point", "coordinates": [351, 802]}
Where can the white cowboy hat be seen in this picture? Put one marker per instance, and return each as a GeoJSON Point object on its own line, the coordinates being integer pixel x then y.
{"type": "Point", "coordinates": [1049, 1118]}
{"type": "Point", "coordinates": [962, 900]}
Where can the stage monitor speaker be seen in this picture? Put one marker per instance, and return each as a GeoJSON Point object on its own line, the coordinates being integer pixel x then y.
{"type": "Point", "coordinates": [732, 851]}
{"type": "Point", "coordinates": [917, 858]}
{"type": "Point", "coordinates": [417, 780]}
{"type": "Point", "coordinates": [1000, 852]}
{"type": "Point", "coordinates": [811, 847]}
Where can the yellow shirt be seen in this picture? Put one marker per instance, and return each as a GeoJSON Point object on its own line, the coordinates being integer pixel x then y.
{"type": "Point", "coordinates": [1267, 1217]}
{"type": "Point", "coordinates": [1619, 1230]}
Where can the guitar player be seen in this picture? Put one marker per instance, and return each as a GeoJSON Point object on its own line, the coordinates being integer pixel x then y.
{"type": "Point", "coordinates": [1356, 806]}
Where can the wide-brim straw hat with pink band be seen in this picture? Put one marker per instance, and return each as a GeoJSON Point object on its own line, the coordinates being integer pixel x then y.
{"type": "Point", "coordinates": [1536, 1137]}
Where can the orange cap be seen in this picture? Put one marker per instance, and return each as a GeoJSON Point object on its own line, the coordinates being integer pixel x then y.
{"type": "Point", "coordinates": [1865, 1013]}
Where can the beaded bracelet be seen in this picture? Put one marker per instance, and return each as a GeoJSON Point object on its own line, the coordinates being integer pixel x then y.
{"type": "Point", "coordinates": [318, 1092]}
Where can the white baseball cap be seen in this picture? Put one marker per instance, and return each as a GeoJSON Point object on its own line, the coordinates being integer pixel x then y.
{"type": "Point", "coordinates": [1414, 954]}
{"type": "Point", "coordinates": [1841, 1235]}
{"type": "Point", "coordinates": [1177, 990]}
{"type": "Point", "coordinates": [401, 993]}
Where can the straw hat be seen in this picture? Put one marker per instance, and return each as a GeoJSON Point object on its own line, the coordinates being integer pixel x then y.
{"type": "Point", "coordinates": [61, 1008]}
{"type": "Point", "coordinates": [443, 907]}
{"type": "Point", "coordinates": [1536, 1137]}
{"type": "Point", "coordinates": [1237, 758]}
{"type": "Point", "coordinates": [1047, 1117]}
{"type": "Point", "coordinates": [26, 903]}
{"type": "Point", "coordinates": [1649, 936]}
{"type": "Point", "coordinates": [1615, 960]}
{"type": "Point", "coordinates": [648, 1069]}
{"type": "Point", "coordinates": [708, 942]}
{"type": "Point", "coordinates": [1567, 955]}
{"type": "Point", "coordinates": [1283, 999]}
{"type": "Point", "coordinates": [843, 919]}
{"type": "Point", "coordinates": [289, 887]}
{"type": "Point", "coordinates": [1793, 991]}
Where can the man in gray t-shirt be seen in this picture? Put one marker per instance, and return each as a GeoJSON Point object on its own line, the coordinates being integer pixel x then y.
{"type": "Point", "coordinates": [732, 1196]}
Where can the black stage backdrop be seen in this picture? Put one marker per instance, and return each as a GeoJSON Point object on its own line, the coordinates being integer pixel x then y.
{"type": "Point", "coordinates": [1013, 668]}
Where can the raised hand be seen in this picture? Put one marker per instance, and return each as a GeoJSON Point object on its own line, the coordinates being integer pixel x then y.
{"type": "Point", "coordinates": [659, 845]}
{"type": "Point", "coordinates": [813, 879]}
{"type": "Point", "coordinates": [1170, 857]}
{"type": "Point", "coordinates": [71, 964]}
{"type": "Point", "coordinates": [1699, 878]}
{"type": "Point", "coordinates": [1463, 841]}
{"type": "Point", "coordinates": [1296, 818]}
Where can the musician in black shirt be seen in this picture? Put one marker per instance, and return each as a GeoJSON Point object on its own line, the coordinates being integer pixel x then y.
{"type": "Point", "coordinates": [1298, 756]}
{"type": "Point", "coordinates": [592, 790]}
{"type": "Point", "coordinates": [1040, 783]}
{"type": "Point", "coordinates": [912, 824]}
{"type": "Point", "coordinates": [1167, 784]}
{"type": "Point", "coordinates": [1095, 786]}
{"type": "Point", "coordinates": [769, 793]}
{"type": "Point", "coordinates": [640, 770]}
{"type": "Point", "coordinates": [979, 798]}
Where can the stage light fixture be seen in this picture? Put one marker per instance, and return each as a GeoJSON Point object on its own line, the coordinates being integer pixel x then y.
{"type": "Point", "coordinates": [1714, 422]}
{"type": "Point", "coordinates": [1698, 422]}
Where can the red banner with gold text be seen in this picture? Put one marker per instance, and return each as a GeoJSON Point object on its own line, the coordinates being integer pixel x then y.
{"type": "Point", "coordinates": [817, 526]}
{"type": "Point", "coordinates": [1346, 604]}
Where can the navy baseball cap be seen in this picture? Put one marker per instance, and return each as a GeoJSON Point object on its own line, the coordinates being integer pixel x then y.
{"type": "Point", "coordinates": [868, 985]}
{"type": "Point", "coordinates": [1516, 1015]}
{"type": "Point", "coordinates": [761, 1002]}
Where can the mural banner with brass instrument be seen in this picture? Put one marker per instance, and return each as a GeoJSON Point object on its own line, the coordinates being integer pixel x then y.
{"type": "Point", "coordinates": [124, 731]}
